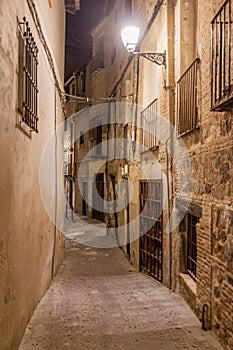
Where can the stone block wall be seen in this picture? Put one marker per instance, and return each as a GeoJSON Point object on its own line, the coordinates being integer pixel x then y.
{"type": "Point", "coordinates": [210, 149]}
{"type": "Point", "coordinates": [222, 273]}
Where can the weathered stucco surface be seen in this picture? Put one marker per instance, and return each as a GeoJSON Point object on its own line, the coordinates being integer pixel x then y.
{"type": "Point", "coordinates": [27, 234]}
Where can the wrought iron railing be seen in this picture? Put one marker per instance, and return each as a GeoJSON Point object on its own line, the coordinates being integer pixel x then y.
{"type": "Point", "coordinates": [222, 62]}
{"type": "Point", "coordinates": [187, 99]}
{"type": "Point", "coordinates": [149, 125]}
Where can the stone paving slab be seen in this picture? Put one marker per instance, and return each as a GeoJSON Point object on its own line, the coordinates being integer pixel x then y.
{"type": "Point", "coordinates": [98, 301]}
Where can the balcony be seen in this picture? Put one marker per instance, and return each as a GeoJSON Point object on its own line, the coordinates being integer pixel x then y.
{"type": "Point", "coordinates": [221, 59]}
{"type": "Point", "coordinates": [150, 125]}
{"type": "Point", "coordinates": [187, 99]}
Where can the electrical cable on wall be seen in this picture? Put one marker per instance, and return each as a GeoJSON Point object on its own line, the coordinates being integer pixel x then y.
{"type": "Point", "coordinates": [82, 99]}
{"type": "Point", "coordinates": [34, 13]}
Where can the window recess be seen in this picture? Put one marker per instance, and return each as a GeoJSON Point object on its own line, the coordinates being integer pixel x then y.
{"type": "Point", "coordinates": [27, 77]}
{"type": "Point", "coordinates": [192, 245]}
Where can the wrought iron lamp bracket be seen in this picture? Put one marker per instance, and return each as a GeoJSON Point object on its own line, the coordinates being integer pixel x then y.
{"type": "Point", "coordinates": [155, 57]}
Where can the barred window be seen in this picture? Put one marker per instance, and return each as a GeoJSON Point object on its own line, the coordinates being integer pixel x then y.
{"type": "Point", "coordinates": [192, 245]}
{"type": "Point", "coordinates": [221, 62]}
{"type": "Point", "coordinates": [187, 99]}
{"type": "Point", "coordinates": [150, 125]}
{"type": "Point", "coordinates": [27, 76]}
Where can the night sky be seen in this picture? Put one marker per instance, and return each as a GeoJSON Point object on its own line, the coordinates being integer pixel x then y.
{"type": "Point", "coordinates": [78, 39]}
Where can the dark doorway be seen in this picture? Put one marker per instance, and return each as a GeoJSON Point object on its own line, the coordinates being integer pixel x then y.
{"type": "Point", "coordinates": [84, 199]}
{"type": "Point", "coordinates": [127, 216]}
{"type": "Point", "coordinates": [151, 222]}
{"type": "Point", "coordinates": [98, 190]}
{"type": "Point", "coordinates": [113, 181]}
{"type": "Point", "coordinates": [71, 194]}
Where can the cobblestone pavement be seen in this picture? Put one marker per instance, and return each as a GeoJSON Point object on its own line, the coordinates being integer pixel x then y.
{"type": "Point", "coordinates": [98, 301]}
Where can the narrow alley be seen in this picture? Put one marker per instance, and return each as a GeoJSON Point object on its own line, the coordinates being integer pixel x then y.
{"type": "Point", "coordinates": [98, 301]}
{"type": "Point", "coordinates": [117, 120]}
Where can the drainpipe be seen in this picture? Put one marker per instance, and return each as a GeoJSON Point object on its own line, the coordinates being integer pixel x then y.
{"type": "Point", "coordinates": [136, 67]}
{"type": "Point", "coordinates": [169, 213]}
{"type": "Point", "coordinates": [106, 164]}
{"type": "Point", "coordinates": [170, 86]}
{"type": "Point", "coordinates": [115, 130]}
{"type": "Point", "coordinates": [55, 180]}
{"type": "Point", "coordinates": [113, 181]}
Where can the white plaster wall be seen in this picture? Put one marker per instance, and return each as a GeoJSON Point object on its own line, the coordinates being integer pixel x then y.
{"type": "Point", "coordinates": [52, 20]}
{"type": "Point", "coordinates": [27, 234]}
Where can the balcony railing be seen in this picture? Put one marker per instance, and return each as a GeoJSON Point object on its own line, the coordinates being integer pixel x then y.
{"type": "Point", "coordinates": [187, 99]}
{"type": "Point", "coordinates": [149, 125]}
{"type": "Point", "coordinates": [222, 62]}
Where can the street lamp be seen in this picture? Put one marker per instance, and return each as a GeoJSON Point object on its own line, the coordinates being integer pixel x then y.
{"type": "Point", "coordinates": [130, 36]}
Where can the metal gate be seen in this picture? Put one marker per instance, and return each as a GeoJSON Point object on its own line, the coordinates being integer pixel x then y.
{"type": "Point", "coordinates": [151, 222]}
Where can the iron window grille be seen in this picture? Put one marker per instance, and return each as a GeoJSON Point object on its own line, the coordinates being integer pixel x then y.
{"type": "Point", "coordinates": [27, 77]}
{"type": "Point", "coordinates": [192, 245]}
{"type": "Point", "coordinates": [149, 125]}
{"type": "Point", "coordinates": [221, 60]}
{"type": "Point", "coordinates": [187, 99]}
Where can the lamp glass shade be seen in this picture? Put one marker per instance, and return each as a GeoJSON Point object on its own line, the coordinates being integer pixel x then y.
{"type": "Point", "coordinates": [129, 36]}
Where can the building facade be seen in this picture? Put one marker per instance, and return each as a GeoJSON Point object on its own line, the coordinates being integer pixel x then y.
{"type": "Point", "coordinates": [32, 65]}
{"type": "Point", "coordinates": [85, 131]}
{"type": "Point", "coordinates": [75, 89]}
{"type": "Point", "coordinates": [176, 147]}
